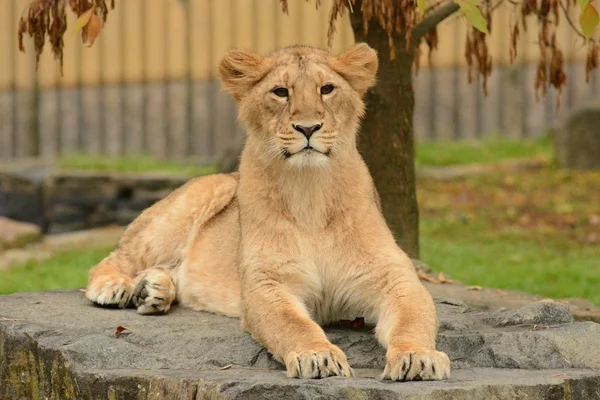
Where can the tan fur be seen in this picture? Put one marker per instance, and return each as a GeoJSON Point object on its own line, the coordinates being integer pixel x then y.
{"type": "Point", "coordinates": [297, 239]}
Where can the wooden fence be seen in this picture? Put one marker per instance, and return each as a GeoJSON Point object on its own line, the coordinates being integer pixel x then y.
{"type": "Point", "coordinates": [148, 84]}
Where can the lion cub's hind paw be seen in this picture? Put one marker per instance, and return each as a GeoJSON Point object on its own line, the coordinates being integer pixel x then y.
{"type": "Point", "coordinates": [154, 292]}
{"type": "Point", "coordinates": [425, 365]}
{"type": "Point", "coordinates": [110, 291]}
{"type": "Point", "coordinates": [317, 364]}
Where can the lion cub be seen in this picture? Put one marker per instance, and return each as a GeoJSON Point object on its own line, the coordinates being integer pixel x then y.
{"type": "Point", "coordinates": [294, 240]}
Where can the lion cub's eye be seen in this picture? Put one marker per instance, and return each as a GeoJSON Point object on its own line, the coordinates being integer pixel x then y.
{"type": "Point", "coordinates": [281, 92]}
{"type": "Point", "coordinates": [327, 89]}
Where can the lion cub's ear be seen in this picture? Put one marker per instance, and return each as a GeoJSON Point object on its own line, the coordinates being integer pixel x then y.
{"type": "Point", "coordinates": [240, 70]}
{"type": "Point", "coordinates": [357, 65]}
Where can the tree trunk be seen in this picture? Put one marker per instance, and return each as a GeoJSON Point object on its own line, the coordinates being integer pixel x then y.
{"type": "Point", "coordinates": [386, 139]}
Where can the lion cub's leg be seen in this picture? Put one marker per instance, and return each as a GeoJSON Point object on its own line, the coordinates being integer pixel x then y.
{"type": "Point", "coordinates": [109, 286]}
{"type": "Point", "coordinates": [279, 320]}
{"type": "Point", "coordinates": [407, 327]}
{"type": "Point", "coordinates": [154, 291]}
{"type": "Point", "coordinates": [159, 236]}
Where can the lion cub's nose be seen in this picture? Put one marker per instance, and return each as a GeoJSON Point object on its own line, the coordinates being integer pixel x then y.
{"type": "Point", "coordinates": [307, 130]}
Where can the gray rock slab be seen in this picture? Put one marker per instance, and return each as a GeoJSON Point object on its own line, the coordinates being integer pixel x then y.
{"type": "Point", "coordinates": [490, 298]}
{"type": "Point", "coordinates": [57, 345]}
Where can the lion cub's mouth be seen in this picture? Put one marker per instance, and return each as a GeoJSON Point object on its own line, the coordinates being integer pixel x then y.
{"type": "Point", "coordinates": [306, 150]}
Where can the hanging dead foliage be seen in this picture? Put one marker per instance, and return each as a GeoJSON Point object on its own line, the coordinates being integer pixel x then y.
{"type": "Point", "coordinates": [402, 18]}
{"type": "Point", "coordinates": [48, 18]}
{"type": "Point", "coordinates": [409, 21]}
{"type": "Point", "coordinates": [477, 52]}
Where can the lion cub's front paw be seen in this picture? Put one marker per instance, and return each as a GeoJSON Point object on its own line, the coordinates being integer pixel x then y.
{"type": "Point", "coordinates": [110, 290]}
{"type": "Point", "coordinates": [154, 292]}
{"type": "Point", "coordinates": [417, 364]}
{"type": "Point", "coordinates": [319, 362]}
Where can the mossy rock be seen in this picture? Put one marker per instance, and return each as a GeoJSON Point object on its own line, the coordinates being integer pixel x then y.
{"type": "Point", "coordinates": [577, 141]}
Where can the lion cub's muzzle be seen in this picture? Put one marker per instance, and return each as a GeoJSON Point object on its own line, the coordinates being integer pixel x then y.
{"type": "Point", "coordinates": [307, 129]}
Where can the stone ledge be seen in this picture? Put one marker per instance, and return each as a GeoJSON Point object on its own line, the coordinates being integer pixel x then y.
{"type": "Point", "coordinates": [57, 345]}
{"type": "Point", "coordinates": [15, 234]}
{"type": "Point", "coordinates": [61, 200]}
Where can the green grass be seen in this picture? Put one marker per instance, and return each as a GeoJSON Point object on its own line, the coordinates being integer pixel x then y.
{"type": "Point", "coordinates": [65, 270]}
{"type": "Point", "coordinates": [441, 153]}
{"type": "Point", "coordinates": [536, 231]}
{"type": "Point", "coordinates": [491, 150]}
{"type": "Point", "coordinates": [477, 254]}
{"type": "Point", "coordinates": [132, 164]}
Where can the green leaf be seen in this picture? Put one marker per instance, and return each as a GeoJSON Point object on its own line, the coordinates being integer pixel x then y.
{"type": "Point", "coordinates": [589, 21]}
{"type": "Point", "coordinates": [583, 3]}
{"type": "Point", "coordinates": [473, 14]}
{"type": "Point", "coordinates": [422, 4]}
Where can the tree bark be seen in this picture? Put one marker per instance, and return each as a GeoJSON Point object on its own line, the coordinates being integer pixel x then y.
{"type": "Point", "coordinates": [386, 139]}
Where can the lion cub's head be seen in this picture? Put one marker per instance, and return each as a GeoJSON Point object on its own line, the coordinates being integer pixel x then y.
{"type": "Point", "coordinates": [301, 105]}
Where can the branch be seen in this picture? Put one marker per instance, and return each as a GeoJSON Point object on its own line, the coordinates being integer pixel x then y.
{"type": "Point", "coordinates": [430, 22]}
{"type": "Point", "coordinates": [433, 7]}
{"type": "Point", "coordinates": [568, 18]}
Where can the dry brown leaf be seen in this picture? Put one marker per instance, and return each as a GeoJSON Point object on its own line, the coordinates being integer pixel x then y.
{"type": "Point", "coordinates": [358, 322]}
{"type": "Point", "coordinates": [94, 28]}
{"type": "Point", "coordinates": [427, 278]}
{"type": "Point", "coordinates": [120, 329]}
{"type": "Point", "coordinates": [443, 278]}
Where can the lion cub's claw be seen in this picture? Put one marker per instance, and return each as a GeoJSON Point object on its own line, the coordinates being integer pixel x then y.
{"type": "Point", "coordinates": [412, 365]}
{"type": "Point", "coordinates": [110, 291]}
{"type": "Point", "coordinates": [154, 293]}
{"type": "Point", "coordinates": [316, 364]}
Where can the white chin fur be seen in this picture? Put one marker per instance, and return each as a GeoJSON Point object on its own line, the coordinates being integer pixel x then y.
{"type": "Point", "coordinates": [308, 159]}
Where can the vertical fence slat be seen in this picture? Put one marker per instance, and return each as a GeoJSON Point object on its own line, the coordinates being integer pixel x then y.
{"type": "Point", "coordinates": [212, 87]}
{"type": "Point", "coordinates": [8, 109]}
{"type": "Point", "coordinates": [144, 76]}
{"type": "Point", "coordinates": [166, 92]}
{"type": "Point", "coordinates": [101, 110]}
{"type": "Point", "coordinates": [122, 88]}
{"type": "Point", "coordinates": [190, 128]}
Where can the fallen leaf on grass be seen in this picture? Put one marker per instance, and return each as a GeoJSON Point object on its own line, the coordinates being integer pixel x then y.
{"type": "Point", "coordinates": [474, 287]}
{"type": "Point", "coordinates": [225, 367]}
{"type": "Point", "coordinates": [11, 319]}
{"type": "Point", "coordinates": [120, 329]}
{"type": "Point", "coordinates": [358, 322]}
